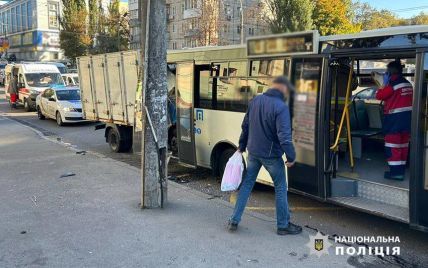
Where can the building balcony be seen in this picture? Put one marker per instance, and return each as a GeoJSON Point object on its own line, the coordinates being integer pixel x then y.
{"type": "Point", "coordinates": [191, 33]}
{"type": "Point", "coordinates": [191, 13]}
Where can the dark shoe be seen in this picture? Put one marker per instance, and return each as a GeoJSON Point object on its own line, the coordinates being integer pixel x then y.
{"type": "Point", "coordinates": [291, 229]}
{"type": "Point", "coordinates": [387, 175]}
{"type": "Point", "coordinates": [232, 227]}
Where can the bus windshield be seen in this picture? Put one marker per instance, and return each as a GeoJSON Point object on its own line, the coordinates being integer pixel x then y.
{"type": "Point", "coordinates": [44, 79]}
{"type": "Point", "coordinates": [68, 95]}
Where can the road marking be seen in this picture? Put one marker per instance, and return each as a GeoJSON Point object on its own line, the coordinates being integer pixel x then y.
{"type": "Point", "coordinates": [234, 196]}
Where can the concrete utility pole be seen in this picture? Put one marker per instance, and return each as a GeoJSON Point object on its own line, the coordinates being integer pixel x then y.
{"type": "Point", "coordinates": [154, 101]}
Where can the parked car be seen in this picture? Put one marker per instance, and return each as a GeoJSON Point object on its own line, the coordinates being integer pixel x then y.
{"type": "Point", "coordinates": [71, 79]}
{"type": "Point", "coordinates": [62, 104]}
{"type": "Point", "coordinates": [368, 93]}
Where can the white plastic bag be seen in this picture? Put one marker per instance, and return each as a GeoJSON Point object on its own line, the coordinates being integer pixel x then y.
{"type": "Point", "coordinates": [232, 175]}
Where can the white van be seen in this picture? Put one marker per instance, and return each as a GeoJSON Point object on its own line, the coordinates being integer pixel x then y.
{"type": "Point", "coordinates": [33, 78]}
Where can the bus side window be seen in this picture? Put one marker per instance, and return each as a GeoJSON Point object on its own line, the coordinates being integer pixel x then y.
{"type": "Point", "coordinates": [232, 94]}
{"type": "Point", "coordinates": [237, 68]}
{"type": "Point", "coordinates": [268, 68]}
{"type": "Point", "coordinates": [205, 96]}
{"type": "Point", "coordinates": [219, 69]}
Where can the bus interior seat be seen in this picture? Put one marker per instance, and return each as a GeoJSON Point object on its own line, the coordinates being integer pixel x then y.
{"type": "Point", "coordinates": [375, 114]}
{"type": "Point", "coordinates": [361, 121]}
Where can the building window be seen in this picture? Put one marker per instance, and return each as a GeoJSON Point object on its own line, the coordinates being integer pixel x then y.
{"type": "Point", "coordinates": [53, 15]}
{"type": "Point", "coordinates": [18, 19]}
{"type": "Point", "coordinates": [30, 15]}
{"type": "Point", "coordinates": [8, 23]}
{"type": "Point", "coordinates": [13, 15]}
{"type": "Point", "coordinates": [24, 16]}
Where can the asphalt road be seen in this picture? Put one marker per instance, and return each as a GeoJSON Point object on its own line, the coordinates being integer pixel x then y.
{"type": "Point", "coordinates": [326, 218]}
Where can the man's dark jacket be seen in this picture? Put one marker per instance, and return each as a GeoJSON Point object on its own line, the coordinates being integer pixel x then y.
{"type": "Point", "coordinates": [266, 129]}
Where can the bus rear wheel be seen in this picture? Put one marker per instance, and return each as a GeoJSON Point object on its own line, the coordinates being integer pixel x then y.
{"type": "Point", "coordinates": [224, 158]}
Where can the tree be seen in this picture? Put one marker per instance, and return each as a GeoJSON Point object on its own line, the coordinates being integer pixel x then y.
{"type": "Point", "coordinates": [332, 17]}
{"type": "Point", "coordinates": [113, 33]}
{"type": "Point", "coordinates": [289, 15]}
{"type": "Point", "coordinates": [74, 39]}
{"type": "Point", "coordinates": [370, 18]}
{"type": "Point", "coordinates": [382, 19]}
{"type": "Point", "coordinates": [208, 23]}
{"type": "Point", "coordinates": [420, 19]}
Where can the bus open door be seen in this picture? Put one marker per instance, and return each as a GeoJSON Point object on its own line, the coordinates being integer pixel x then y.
{"type": "Point", "coordinates": [185, 118]}
{"type": "Point", "coordinates": [419, 163]}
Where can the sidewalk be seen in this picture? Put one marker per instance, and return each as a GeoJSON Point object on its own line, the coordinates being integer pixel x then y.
{"type": "Point", "coordinates": [93, 219]}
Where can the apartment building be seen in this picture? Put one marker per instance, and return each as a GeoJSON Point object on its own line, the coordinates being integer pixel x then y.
{"type": "Point", "coordinates": [31, 29]}
{"type": "Point", "coordinates": [192, 23]}
{"type": "Point", "coordinates": [134, 24]}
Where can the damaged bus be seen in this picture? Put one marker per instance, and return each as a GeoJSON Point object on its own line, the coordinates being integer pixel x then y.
{"type": "Point", "coordinates": [337, 120]}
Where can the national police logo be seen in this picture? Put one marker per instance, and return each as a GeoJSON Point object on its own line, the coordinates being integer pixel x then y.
{"type": "Point", "coordinates": [319, 244]}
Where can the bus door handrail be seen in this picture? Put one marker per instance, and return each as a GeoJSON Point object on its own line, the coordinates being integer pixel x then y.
{"type": "Point", "coordinates": [345, 115]}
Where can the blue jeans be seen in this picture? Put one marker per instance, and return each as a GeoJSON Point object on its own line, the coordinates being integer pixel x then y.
{"type": "Point", "coordinates": [276, 169]}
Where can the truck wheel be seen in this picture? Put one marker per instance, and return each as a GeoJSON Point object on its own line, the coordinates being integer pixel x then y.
{"type": "Point", "coordinates": [59, 119]}
{"type": "Point", "coordinates": [224, 157]}
{"type": "Point", "coordinates": [40, 114]}
{"type": "Point", "coordinates": [113, 139]}
{"type": "Point", "coordinates": [27, 106]}
{"type": "Point", "coordinates": [119, 140]}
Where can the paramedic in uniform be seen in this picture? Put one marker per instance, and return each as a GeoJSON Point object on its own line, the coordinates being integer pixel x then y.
{"type": "Point", "coordinates": [397, 95]}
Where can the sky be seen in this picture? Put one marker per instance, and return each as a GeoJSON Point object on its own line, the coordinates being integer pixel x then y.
{"type": "Point", "coordinates": [403, 8]}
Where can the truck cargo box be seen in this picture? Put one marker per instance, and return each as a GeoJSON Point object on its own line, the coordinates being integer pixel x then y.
{"type": "Point", "coordinates": [108, 86]}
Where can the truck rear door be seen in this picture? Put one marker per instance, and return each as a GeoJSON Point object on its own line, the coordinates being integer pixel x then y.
{"type": "Point", "coordinates": [113, 67]}
{"type": "Point", "coordinates": [86, 91]}
{"type": "Point", "coordinates": [99, 88]}
{"type": "Point", "coordinates": [129, 75]}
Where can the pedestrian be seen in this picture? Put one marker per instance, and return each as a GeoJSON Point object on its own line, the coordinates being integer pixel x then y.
{"type": "Point", "coordinates": [13, 90]}
{"type": "Point", "coordinates": [397, 95]}
{"type": "Point", "coordinates": [266, 133]}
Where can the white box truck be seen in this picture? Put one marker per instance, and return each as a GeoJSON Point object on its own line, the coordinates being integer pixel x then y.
{"type": "Point", "coordinates": [108, 84]}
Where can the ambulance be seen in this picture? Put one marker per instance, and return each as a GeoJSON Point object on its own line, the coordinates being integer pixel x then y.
{"type": "Point", "coordinates": [32, 79]}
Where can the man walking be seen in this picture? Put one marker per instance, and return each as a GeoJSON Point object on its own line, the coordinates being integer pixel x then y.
{"type": "Point", "coordinates": [397, 95]}
{"type": "Point", "coordinates": [266, 133]}
{"type": "Point", "coordinates": [13, 90]}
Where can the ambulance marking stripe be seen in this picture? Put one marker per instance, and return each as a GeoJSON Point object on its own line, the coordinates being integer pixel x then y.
{"type": "Point", "coordinates": [402, 85]}
{"type": "Point", "coordinates": [396, 163]}
{"type": "Point", "coordinates": [395, 145]}
{"type": "Point", "coordinates": [399, 110]}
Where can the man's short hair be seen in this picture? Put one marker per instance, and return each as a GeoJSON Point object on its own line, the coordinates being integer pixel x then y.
{"type": "Point", "coordinates": [395, 67]}
{"type": "Point", "coordinates": [283, 80]}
